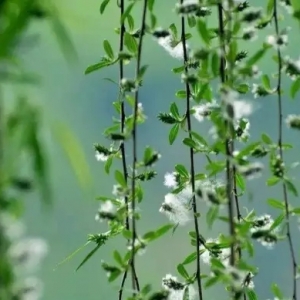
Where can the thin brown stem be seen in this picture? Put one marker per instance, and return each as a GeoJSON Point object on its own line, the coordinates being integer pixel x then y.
{"type": "Point", "coordinates": [135, 282]}
{"type": "Point", "coordinates": [134, 136]}
{"type": "Point", "coordinates": [231, 188]}
{"type": "Point", "coordinates": [228, 143]}
{"type": "Point", "coordinates": [280, 138]}
{"type": "Point", "coordinates": [192, 164]}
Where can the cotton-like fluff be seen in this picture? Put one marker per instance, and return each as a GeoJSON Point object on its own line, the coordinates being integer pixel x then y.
{"type": "Point", "coordinates": [176, 288]}
{"type": "Point", "coordinates": [175, 209]}
{"type": "Point", "coordinates": [28, 252]}
{"type": "Point", "coordinates": [167, 41]}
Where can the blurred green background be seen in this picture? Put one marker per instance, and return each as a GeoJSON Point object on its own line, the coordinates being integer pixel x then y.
{"type": "Point", "coordinates": [84, 103]}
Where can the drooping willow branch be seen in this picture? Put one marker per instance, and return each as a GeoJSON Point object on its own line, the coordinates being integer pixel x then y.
{"type": "Point", "coordinates": [134, 134]}
{"type": "Point", "coordinates": [123, 150]}
{"type": "Point", "coordinates": [230, 145]}
{"type": "Point", "coordinates": [280, 138]}
{"type": "Point", "coordinates": [228, 141]}
{"type": "Point", "coordinates": [191, 154]}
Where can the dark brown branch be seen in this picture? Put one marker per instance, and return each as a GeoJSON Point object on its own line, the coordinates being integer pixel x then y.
{"type": "Point", "coordinates": [123, 151]}
{"type": "Point", "coordinates": [285, 195]}
{"type": "Point", "coordinates": [192, 164]}
{"type": "Point", "coordinates": [134, 136]}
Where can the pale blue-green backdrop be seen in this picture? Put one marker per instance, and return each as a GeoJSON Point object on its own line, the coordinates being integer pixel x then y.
{"type": "Point", "coordinates": [84, 103]}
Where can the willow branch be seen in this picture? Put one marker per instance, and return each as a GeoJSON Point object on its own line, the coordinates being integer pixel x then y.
{"type": "Point", "coordinates": [123, 150]}
{"type": "Point", "coordinates": [134, 133]}
{"type": "Point", "coordinates": [192, 164]}
{"type": "Point", "coordinates": [285, 195]}
{"type": "Point", "coordinates": [228, 142]}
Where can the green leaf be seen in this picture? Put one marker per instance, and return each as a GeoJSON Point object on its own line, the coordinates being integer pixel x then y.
{"type": "Point", "coordinates": [190, 258]}
{"type": "Point", "coordinates": [71, 255]}
{"type": "Point", "coordinates": [276, 291]}
{"type": "Point", "coordinates": [103, 6]}
{"type": "Point", "coordinates": [173, 133]}
{"type": "Point", "coordinates": [108, 49]}
{"type": "Point", "coordinates": [130, 22]}
{"type": "Point", "coordinates": [266, 139]}
{"type": "Point", "coordinates": [174, 111]}
{"type": "Point", "coordinates": [182, 171]}
{"type": "Point", "coordinates": [108, 164]}
{"type": "Point", "coordinates": [211, 281]}
{"type": "Point", "coordinates": [151, 4]}
{"type": "Point", "coordinates": [173, 29]}
{"type": "Point", "coordinates": [118, 258]}
{"type": "Point", "coordinates": [296, 210]}
{"type": "Point", "coordinates": [243, 88]}
{"type": "Point", "coordinates": [127, 234]}
{"type": "Point", "coordinates": [291, 187]}
{"type": "Point", "coordinates": [191, 21]}
{"type": "Point", "coordinates": [181, 94]}
{"type": "Point", "coordinates": [251, 295]}
{"type": "Point", "coordinates": [130, 43]}
{"type": "Point", "coordinates": [200, 176]}
{"type": "Point", "coordinates": [142, 72]}
{"type": "Point", "coordinates": [270, 7]}
{"type": "Point", "coordinates": [127, 12]}
{"type": "Point", "coordinates": [178, 70]}
{"type": "Point", "coordinates": [96, 67]}
{"type": "Point", "coordinates": [273, 181]}
{"type": "Point", "coordinates": [295, 5]}
{"type": "Point", "coordinates": [295, 87]}
{"type": "Point", "coordinates": [153, 235]}
{"type": "Point", "coordinates": [203, 32]}
{"type": "Point", "coordinates": [38, 155]}
{"type": "Point", "coordinates": [75, 153]}
{"type": "Point", "coordinates": [114, 275]}
{"type": "Point", "coordinates": [88, 257]}
{"type": "Point", "coordinates": [278, 221]}
{"type": "Point", "coordinates": [276, 203]}
{"type": "Point", "coordinates": [63, 37]}
{"type": "Point", "coordinates": [190, 143]}
{"type": "Point", "coordinates": [199, 138]}
{"type": "Point", "coordinates": [120, 178]}
{"type": "Point", "coordinates": [215, 64]}
{"type": "Point", "coordinates": [186, 293]}
{"type": "Point", "coordinates": [240, 181]}
{"type": "Point", "coordinates": [182, 271]}
{"type": "Point", "coordinates": [256, 57]}
{"type": "Point", "coordinates": [247, 150]}
{"type": "Point", "coordinates": [212, 215]}
{"type": "Point", "coordinates": [162, 230]}
{"type": "Point", "coordinates": [266, 82]}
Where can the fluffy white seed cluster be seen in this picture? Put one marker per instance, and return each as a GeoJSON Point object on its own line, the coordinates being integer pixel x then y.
{"type": "Point", "coordinates": [203, 111]}
{"type": "Point", "coordinates": [279, 41]}
{"type": "Point", "coordinates": [166, 40]}
{"type": "Point", "coordinates": [264, 224]}
{"type": "Point", "coordinates": [176, 288]}
{"type": "Point", "coordinates": [242, 132]}
{"type": "Point", "coordinates": [26, 255]}
{"type": "Point", "coordinates": [252, 170]}
{"type": "Point", "coordinates": [101, 156]}
{"type": "Point", "coordinates": [106, 211]}
{"type": "Point", "coordinates": [207, 253]}
{"type": "Point", "coordinates": [293, 121]}
{"type": "Point", "coordinates": [175, 207]}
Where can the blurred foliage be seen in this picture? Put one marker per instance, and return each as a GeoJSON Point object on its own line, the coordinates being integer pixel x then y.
{"type": "Point", "coordinates": [22, 147]}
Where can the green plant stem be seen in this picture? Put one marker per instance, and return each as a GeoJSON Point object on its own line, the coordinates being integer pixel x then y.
{"type": "Point", "coordinates": [285, 195]}
{"type": "Point", "coordinates": [192, 164]}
